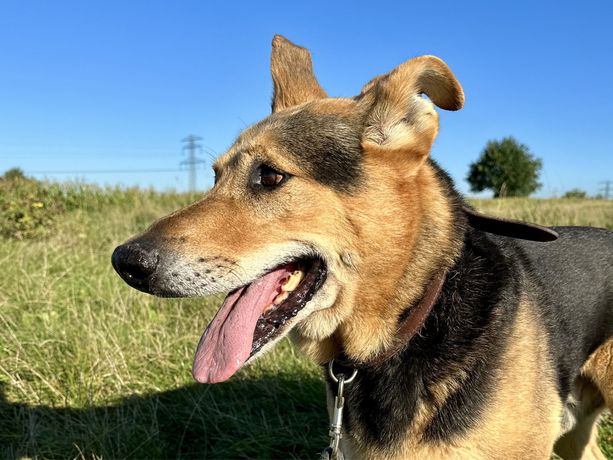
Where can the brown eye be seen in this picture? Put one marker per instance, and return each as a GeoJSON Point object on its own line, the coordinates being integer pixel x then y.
{"type": "Point", "coordinates": [267, 176]}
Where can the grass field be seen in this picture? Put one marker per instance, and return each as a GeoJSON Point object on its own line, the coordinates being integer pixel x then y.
{"type": "Point", "coordinates": [90, 368]}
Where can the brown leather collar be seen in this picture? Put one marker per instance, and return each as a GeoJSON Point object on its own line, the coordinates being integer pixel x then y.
{"type": "Point", "coordinates": [411, 323]}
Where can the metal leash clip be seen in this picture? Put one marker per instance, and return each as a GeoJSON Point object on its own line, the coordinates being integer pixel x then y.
{"type": "Point", "coordinates": [332, 452]}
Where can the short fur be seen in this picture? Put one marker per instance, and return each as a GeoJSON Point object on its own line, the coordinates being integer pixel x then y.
{"type": "Point", "coordinates": [516, 353]}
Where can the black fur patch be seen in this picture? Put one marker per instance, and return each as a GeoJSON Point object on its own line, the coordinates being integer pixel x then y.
{"type": "Point", "coordinates": [325, 146]}
{"type": "Point", "coordinates": [478, 311]}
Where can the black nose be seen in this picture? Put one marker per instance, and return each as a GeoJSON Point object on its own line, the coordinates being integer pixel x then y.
{"type": "Point", "coordinates": [135, 264]}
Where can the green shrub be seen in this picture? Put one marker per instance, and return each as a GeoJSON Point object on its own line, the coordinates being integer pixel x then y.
{"type": "Point", "coordinates": [27, 207]}
{"type": "Point", "coordinates": [14, 174]}
{"type": "Point", "coordinates": [30, 208]}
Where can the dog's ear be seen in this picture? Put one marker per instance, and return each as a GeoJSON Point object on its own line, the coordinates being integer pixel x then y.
{"type": "Point", "coordinates": [509, 227]}
{"type": "Point", "coordinates": [398, 117]}
{"type": "Point", "coordinates": [292, 75]}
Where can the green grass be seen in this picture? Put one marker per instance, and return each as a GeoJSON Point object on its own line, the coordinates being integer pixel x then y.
{"type": "Point", "coordinates": [90, 368]}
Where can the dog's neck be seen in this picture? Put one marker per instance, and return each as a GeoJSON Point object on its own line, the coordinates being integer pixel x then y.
{"type": "Point", "coordinates": [394, 280]}
{"type": "Point", "coordinates": [398, 259]}
{"type": "Point", "coordinates": [431, 390]}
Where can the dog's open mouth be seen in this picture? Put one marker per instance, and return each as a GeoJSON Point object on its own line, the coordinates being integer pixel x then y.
{"type": "Point", "coordinates": [253, 315]}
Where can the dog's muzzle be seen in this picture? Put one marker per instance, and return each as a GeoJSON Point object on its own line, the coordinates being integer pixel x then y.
{"type": "Point", "coordinates": [135, 264]}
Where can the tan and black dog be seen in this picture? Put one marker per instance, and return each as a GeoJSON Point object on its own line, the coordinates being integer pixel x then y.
{"type": "Point", "coordinates": [328, 221]}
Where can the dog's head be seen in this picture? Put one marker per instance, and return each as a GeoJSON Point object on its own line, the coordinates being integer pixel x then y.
{"type": "Point", "coordinates": [320, 221]}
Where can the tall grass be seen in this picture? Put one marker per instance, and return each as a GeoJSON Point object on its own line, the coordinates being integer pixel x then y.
{"type": "Point", "coordinates": [558, 211]}
{"type": "Point", "coordinates": [90, 368]}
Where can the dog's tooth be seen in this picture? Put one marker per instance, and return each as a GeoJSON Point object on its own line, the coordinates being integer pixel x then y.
{"type": "Point", "coordinates": [293, 281]}
{"type": "Point", "coordinates": [281, 298]}
{"type": "Point", "coordinates": [267, 308]}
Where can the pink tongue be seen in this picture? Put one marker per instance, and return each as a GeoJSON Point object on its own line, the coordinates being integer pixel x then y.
{"type": "Point", "coordinates": [226, 343]}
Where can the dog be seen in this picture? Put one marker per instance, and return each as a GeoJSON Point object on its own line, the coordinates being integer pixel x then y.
{"type": "Point", "coordinates": [470, 336]}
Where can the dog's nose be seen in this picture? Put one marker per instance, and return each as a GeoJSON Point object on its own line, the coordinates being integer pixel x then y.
{"type": "Point", "coordinates": [135, 264]}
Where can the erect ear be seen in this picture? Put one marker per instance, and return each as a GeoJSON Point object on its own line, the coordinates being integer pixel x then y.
{"type": "Point", "coordinates": [292, 75]}
{"type": "Point", "coordinates": [398, 117]}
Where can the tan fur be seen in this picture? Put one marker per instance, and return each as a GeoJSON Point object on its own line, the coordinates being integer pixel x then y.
{"type": "Point", "coordinates": [583, 445]}
{"type": "Point", "coordinates": [369, 305]}
{"type": "Point", "coordinates": [580, 440]}
{"type": "Point", "coordinates": [292, 73]}
{"type": "Point", "coordinates": [423, 74]}
{"type": "Point", "coordinates": [523, 420]}
{"type": "Point", "coordinates": [599, 369]}
{"type": "Point", "coordinates": [395, 97]}
{"type": "Point", "coordinates": [593, 392]}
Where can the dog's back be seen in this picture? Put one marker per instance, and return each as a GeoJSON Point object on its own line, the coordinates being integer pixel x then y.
{"type": "Point", "coordinates": [571, 278]}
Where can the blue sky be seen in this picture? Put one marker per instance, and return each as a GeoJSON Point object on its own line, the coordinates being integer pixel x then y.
{"type": "Point", "coordinates": [111, 85]}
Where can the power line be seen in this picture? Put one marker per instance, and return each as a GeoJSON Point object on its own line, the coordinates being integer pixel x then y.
{"type": "Point", "coordinates": [192, 161]}
{"type": "Point", "coordinates": [105, 171]}
{"type": "Point", "coordinates": [45, 156]}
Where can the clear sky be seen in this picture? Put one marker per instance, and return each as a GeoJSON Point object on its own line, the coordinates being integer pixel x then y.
{"type": "Point", "coordinates": [116, 85]}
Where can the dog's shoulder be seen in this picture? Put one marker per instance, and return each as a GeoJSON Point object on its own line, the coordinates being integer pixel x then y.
{"type": "Point", "coordinates": [569, 282]}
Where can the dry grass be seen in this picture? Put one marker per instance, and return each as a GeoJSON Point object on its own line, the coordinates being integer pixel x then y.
{"type": "Point", "coordinates": [559, 211]}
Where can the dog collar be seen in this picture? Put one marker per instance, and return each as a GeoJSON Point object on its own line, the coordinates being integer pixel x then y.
{"type": "Point", "coordinates": [414, 318]}
{"type": "Point", "coordinates": [409, 324]}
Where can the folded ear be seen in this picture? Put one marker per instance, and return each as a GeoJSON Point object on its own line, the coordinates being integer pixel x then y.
{"type": "Point", "coordinates": [509, 227]}
{"type": "Point", "coordinates": [398, 116]}
{"type": "Point", "coordinates": [292, 75]}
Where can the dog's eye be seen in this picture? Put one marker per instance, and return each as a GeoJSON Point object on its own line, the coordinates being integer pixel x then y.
{"type": "Point", "coordinates": [267, 176]}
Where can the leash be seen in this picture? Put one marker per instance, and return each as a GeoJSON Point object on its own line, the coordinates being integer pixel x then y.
{"type": "Point", "coordinates": [410, 325]}
{"type": "Point", "coordinates": [332, 452]}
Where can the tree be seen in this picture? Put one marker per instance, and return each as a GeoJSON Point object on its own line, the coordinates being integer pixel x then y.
{"type": "Point", "coordinates": [507, 168]}
{"type": "Point", "coordinates": [13, 174]}
{"type": "Point", "coordinates": [575, 193]}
